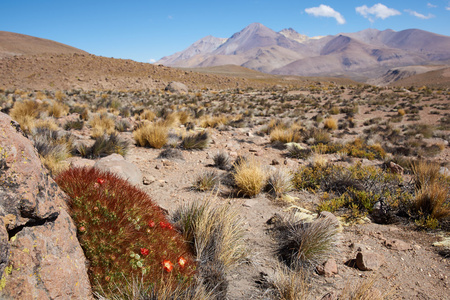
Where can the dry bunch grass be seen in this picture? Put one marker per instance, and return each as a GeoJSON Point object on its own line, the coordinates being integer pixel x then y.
{"type": "Point", "coordinates": [138, 290]}
{"type": "Point", "coordinates": [249, 177]}
{"type": "Point", "coordinates": [57, 109]}
{"type": "Point", "coordinates": [305, 245]}
{"type": "Point", "coordinates": [283, 135]}
{"type": "Point", "coordinates": [289, 284]}
{"type": "Point", "coordinates": [151, 135]}
{"type": "Point", "coordinates": [102, 124]}
{"type": "Point", "coordinates": [365, 290]}
{"type": "Point", "coordinates": [330, 124]}
{"type": "Point", "coordinates": [215, 232]}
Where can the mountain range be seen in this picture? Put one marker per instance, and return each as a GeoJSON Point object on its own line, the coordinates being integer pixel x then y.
{"type": "Point", "coordinates": [363, 56]}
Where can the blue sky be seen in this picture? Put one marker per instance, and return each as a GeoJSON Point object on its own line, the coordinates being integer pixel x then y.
{"type": "Point", "coordinates": [148, 30]}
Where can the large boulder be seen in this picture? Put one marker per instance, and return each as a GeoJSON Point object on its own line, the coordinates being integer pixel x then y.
{"type": "Point", "coordinates": [116, 163]}
{"type": "Point", "coordinates": [177, 87]}
{"type": "Point", "coordinates": [40, 257]}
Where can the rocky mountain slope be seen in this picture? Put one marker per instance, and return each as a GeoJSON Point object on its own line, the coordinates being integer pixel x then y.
{"type": "Point", "coordinates": [363, 55]}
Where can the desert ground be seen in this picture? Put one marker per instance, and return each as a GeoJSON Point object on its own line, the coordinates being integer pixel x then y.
{"type": "Point", "coordinates": [284, 129]}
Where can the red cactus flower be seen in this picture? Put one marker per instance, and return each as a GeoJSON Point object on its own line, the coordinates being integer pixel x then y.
{"type": "Point", "coordinates": [167, 265]}
{"type": "Point", "coordinates": [144, 251]}
{"type": "Point", "coordinates": [100, 181]}
{"type": "Point", "coordinates": [151, 224]}
{"type": "Point", "coordinates": [82, 229]}
{"type": "Point", "coordinates": [182, 262]}
{"type": "Point", "coordinates": [165, 225]}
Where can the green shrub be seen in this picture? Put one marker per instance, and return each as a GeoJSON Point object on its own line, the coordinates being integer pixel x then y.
{"type": "Point", "coordinates": [124, 235]}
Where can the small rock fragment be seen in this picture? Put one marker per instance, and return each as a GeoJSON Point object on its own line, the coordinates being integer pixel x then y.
{"type": "Point", "coordinates": [369, 261]}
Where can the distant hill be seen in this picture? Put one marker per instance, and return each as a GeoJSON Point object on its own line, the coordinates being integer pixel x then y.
{"type": "Point", "coordinates": [362, 56]}
{"type": "Point", "coordinates": [20, 44]}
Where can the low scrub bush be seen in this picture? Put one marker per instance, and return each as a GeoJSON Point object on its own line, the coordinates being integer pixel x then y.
{"type": "Point", "coordinates": [151, 135]}
{"type": "Point", "coordinates": [124, 234]}
{"type": "Point", "coordinates": [249, 177]}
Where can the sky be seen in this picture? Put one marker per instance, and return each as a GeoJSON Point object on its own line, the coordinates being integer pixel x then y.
{"type": "Point", "coordinates": [147, 30]}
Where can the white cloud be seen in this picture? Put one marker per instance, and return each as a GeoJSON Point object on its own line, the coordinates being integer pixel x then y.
{"type": "Point", "coordinates": [152, 60]}
{"type": "Point", "coordinates": [379, 11]}
{"type": "Point", "coordinates": [325, 11]}
{"type": "Point", "coordinates": [419, 15]}
{"type": "Point", "coordinates": [430, 5]}
{"type": "Point", "coordinates": [447, 8]}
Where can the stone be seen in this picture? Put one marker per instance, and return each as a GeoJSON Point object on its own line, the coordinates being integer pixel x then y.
{"type": "Point", "coordinates": [117, 164]}
{"type": "Point", "coordinates": [369, 261]}
{"type": "Point", "coordinates": [177, 87]}
{"type": "Point", "coordinates": [398, 245]}
{"type": "Point", "coordinates": [330, 216]}
{"type": "Point", "coordinates": [40, 257]}
{"type": "Point", "coordinates": [147, 180]}
{"type": "Point", "coordinates": [328, 269]}
{"type": "Point", "coordinates": [78, 162]}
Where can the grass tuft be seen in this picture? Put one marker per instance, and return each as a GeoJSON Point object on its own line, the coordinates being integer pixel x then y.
{"type": "Point", "coordinates": [249, 177]}
{"type": "Point", "coordinates": [197, 141]}
{"type": "Point", "coordinates": [151, 135]}
{"type": "Point", "coordinates": [289, 284]}
{"type": "Point", "coordinates": [305, 245]}
{"type": "Point", "coordinates": [216, 235]}
{"type": "Point", "coordinates": [105, 145]}
{"type": "Point", "coordinates": [222, 160]}
{"type": "Point", "coordinates": [280, 182]}
{"type": "Point", "coordinates": [206, 181]}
